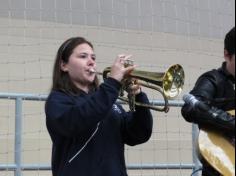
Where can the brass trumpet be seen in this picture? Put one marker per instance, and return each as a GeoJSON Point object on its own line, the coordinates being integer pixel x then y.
{"type": "Point", "coordinates": [169, 84]}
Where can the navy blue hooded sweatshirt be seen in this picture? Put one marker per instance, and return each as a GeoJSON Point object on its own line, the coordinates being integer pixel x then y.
{"type": "Point", "coordinates": [89, 131]}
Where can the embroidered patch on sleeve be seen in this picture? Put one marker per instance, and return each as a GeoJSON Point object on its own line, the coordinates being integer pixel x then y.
{"type": "Point", "coordinates": [116, 109]}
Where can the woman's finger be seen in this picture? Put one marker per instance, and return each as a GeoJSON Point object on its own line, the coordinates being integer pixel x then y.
{"type": "Point", "coordinates": [129, 69]}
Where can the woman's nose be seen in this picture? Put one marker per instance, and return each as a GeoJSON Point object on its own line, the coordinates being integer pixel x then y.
{"type": "Point", "coordinates": [91, 61]}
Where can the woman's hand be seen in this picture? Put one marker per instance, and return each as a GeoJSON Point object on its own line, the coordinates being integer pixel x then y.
{"type": "Point", "coordinates": [118, 69]}
{"type": "Point", "coordinates": [134, 88]}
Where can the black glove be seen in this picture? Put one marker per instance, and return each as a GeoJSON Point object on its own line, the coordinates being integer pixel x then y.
{"type": "Point", "coordinates": [222, 119]}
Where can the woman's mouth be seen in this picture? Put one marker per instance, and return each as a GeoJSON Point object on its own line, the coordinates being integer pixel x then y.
{"type": "Point", "coordinates": [92, 71]}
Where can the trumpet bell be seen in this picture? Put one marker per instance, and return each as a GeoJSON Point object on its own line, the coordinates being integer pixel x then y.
{"type": "Point", "coordinates": [173, 81]}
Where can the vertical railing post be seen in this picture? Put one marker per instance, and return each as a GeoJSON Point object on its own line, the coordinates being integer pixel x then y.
{"type": "Point", "coordinates": [18, 135]}
{"type": "Point", "coordinates": [195, 132]}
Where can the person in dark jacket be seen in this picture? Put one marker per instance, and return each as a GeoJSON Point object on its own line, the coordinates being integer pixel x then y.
{"type": "Point", "coordinates": [216, 89]}
{"type": "Point", "coordinates": [88, 129]}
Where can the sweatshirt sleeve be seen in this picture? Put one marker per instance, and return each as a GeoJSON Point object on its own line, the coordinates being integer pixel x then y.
{"type": "Point", "coordinates": [67, 118]}
{"type": "Point", "coordinates": [138, 125]}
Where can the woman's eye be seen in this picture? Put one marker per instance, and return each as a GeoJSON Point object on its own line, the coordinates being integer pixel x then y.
{"type": "Point", "coordinates": [83, 56]}
{"type": "Point", "coordinates": [94, 58]}
{"type": "Point", "coordinates": [86, 56]}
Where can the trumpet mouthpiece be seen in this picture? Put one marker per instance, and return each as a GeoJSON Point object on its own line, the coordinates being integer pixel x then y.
{"type": "Point", "coordinates": [92, 70]}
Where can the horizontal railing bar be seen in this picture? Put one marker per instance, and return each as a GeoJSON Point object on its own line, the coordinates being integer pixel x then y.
{"type": "Point", "coordinates": [31, 167]}
{"type": "Point", "coordinates": [13, 167]}
{"type": "Point", "coordinates": [160, 166]}
{"type": "Point", "coordinates": [8, 167]}
{"type": "Point", "coordinates": [12, 96]}
{"type": "Point", "coordinates": [43, 97]}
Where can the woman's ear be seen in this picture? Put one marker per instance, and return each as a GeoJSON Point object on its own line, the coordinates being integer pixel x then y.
{"type": "Point", "coordinates": [63, 66]}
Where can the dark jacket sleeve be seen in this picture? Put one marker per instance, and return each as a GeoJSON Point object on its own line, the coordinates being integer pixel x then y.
{"type": "Point", "coordinates": [138, 125]}
{"type": "Point", "coordinates": [206, 86]}
{"type": "Point", "coordinates": [204, 90]}
{"type": "Point", "coordinates": [68, 118]}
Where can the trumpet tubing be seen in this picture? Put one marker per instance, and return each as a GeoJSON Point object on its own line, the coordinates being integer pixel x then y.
{"type": "Point", "coordinates": [169, 84]}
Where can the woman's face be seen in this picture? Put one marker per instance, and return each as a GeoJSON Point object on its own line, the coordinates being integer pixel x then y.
{"type": "Point", "coordinates": [81, 61]}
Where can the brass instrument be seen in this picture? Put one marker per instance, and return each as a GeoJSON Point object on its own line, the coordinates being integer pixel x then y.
{"type": "Point", "coordinates": [169, 84]}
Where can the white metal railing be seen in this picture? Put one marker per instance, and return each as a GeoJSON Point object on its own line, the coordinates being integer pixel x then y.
{"type": "Point", "coordinates": [18, 166]}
